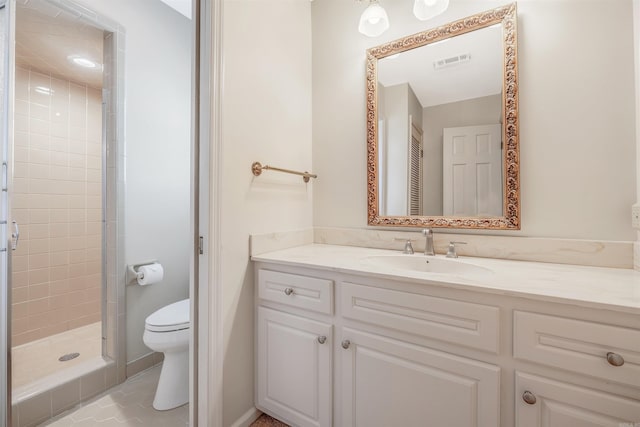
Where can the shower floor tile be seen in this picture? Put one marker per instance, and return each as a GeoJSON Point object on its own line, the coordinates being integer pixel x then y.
{"type": "Point", "coordinates": [38, 359]}
{"type": "Point", "coordinates": [128, 404]}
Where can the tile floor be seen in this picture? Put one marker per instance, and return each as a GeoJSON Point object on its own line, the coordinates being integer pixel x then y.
{"type": "Point", "coordinates": [128, 404]}
{"type": "Point", "coordinates": [38, 359]}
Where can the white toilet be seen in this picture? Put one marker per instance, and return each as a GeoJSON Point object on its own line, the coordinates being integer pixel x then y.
{"type": "Point", "coordinates": [167, 331]}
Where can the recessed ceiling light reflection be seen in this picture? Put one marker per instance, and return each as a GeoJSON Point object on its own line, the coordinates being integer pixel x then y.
{"type": "Point", "coordinates": [83, 62]}
{"type": "Point", "coordinates": [43, 90]}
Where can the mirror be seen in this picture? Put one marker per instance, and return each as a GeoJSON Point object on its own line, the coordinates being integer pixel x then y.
{"type": "Point", "coordinates": [442, 126]}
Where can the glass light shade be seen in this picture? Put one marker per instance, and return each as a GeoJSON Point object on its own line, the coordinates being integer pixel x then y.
{"type": "Point", "coordinates": [427, 9]}
{"type": "Point", "coordinates": [374, 20]}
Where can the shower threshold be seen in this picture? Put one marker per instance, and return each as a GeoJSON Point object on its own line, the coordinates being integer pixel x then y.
{"type": "Point", "coordinates": [36, 365]}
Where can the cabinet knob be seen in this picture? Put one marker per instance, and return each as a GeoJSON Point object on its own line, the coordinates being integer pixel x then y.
{"type": "Point", "coordinates": [346, 344]}
{"type": "Point", "coordinates": [615, 359]}
{"type": "Point", "coordinates": [529, 397]}
{"type": "Point", "coordinates": [322, 339]}
{"type": "Point", "coordinates": [288, 291]}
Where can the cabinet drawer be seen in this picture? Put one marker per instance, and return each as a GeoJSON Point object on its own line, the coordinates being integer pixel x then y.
{"type": "Point", "coordinates": [578, 345]}
{"type": "Point", "coordinates": [463, 323]}
{"type": "Point", "coordinates": [304, 292]}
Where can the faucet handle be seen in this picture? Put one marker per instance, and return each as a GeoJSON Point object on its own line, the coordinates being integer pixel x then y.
{"type": "Point", "coordinates": [408, 247]}
{"type": "Point", "coordinates": [451, 251]}
{"type": "Point", "coordinates": [427, 231]}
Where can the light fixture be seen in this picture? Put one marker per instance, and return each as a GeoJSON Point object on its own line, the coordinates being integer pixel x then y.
{"type": "Point", "coordinates": [374, 20]}
{"type": "Point", "coordinates": [427, 9]}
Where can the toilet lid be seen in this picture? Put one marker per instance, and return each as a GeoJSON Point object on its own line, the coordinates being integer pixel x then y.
{"type": "Point", "coordinates": [172, 317]}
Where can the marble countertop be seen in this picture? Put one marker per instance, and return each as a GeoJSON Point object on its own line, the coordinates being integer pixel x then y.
{"type": "Point", "coordinates": [611, 288]}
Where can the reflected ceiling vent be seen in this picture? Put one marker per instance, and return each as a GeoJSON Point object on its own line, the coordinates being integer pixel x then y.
{"type": "Point", "coordinates": [451, 61]}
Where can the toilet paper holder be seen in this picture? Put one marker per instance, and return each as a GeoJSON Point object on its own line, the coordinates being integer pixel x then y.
{"type": "Point", "coordinates": [133, 274]}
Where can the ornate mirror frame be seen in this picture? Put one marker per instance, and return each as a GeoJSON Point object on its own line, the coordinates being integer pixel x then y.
{"type": "Point", "coordinates": [507, 16]}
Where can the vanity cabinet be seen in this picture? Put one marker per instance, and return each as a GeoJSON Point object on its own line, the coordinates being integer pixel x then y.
{"type": "Point", "coordinates": [380, 379]}
{"type": "Point", "coordinates": [342, 349]}
{"type": "Point", "coordinates": [294, 353]}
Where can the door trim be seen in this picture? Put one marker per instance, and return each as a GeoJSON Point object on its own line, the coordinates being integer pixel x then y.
{"type": "Point", "coordinates": [7, 18]}
{"type": "Point", "coordinates": [207, 271]}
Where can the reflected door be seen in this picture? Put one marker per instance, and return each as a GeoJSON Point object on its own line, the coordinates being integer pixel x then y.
{"type": "Point", "coordinates": [472, 171]}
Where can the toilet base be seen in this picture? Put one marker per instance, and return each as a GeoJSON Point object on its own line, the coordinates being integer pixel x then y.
{"type": "Point", "coordinates": [173, 386]}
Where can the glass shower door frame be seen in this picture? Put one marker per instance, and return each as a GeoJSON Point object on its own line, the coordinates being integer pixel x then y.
{"type": "Point", "coordinates": [7, 42]}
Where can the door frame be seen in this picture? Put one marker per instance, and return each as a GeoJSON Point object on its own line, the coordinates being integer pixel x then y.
{"type": "Point", "coordinates": [7, 18]}
{"type": "Point", "coordinates": [206, 288]}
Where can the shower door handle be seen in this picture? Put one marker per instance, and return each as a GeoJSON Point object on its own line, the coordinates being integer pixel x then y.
{"type": "Point", "coordinates": [15, 235]}
{"type": "Point", "coordinates": [5, 176]}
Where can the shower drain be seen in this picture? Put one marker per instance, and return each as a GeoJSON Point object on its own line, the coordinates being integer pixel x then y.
{"type": "Point", "coordinates": [68, 357]}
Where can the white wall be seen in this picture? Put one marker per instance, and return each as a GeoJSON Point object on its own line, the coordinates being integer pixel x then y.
{"type": "Point", "coordinates": [158, 115]}
{"type": "Point", "coordinates": [576, 107]}
{"type": "Point", "coordinates": [267, 118]}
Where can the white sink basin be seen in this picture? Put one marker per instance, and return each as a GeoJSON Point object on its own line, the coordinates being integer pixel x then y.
{"type": "Point", "coordinates": [429, 264]}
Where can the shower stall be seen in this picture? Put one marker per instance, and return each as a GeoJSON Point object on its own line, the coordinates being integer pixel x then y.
{"type": "Point", "coordinates": [61, 206]}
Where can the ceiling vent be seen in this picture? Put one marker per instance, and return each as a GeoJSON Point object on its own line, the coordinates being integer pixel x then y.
{"type": "Point", "coordinates": [451, 61]}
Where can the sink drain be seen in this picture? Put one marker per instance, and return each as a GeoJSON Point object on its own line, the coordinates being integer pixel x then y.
{"type": "Point", "coordinates": [68, 357]}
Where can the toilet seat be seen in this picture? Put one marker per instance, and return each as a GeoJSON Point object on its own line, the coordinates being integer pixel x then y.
{"type": "Point", "coordinates": [173, 317]}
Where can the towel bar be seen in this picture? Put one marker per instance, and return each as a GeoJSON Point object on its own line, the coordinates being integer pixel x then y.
{"type": "Point", "coordinates": [257, 169]}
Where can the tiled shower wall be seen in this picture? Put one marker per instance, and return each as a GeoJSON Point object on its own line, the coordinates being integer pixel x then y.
{"type": "Point", "coordinates": [57, 202]}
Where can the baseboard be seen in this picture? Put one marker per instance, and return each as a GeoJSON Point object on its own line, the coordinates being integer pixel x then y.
{"type": "Point", "coordinates": [143, 363]}
{"type": "Point", "coordinates": [247, 418]}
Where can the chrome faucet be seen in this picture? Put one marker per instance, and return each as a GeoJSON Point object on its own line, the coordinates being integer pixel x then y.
{"type": "Point", "coordinates": [451, 251]}
{"type": "Point", "coordinates": [428, 242]}
{"type": "Point", "coordinates": [408, 247]}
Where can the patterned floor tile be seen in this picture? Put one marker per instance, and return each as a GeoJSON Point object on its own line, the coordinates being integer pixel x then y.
{"type": "Point", "coordinates": [126, 405]}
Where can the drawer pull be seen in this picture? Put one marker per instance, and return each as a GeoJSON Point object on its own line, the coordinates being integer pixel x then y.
{"type": "Point", "coordinates": [615, 359]}
{"type": "Point", "coordinates": [529, 398]}
{"type": "Point", "coordinates": [346, 344]}
{"type": "Point", "coordinates": [288, 291]}
{"type": "Point", "coordinates": [322, 339]}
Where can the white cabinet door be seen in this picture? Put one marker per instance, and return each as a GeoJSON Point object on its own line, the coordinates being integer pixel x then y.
{"type": "Point", "coordinates": [542, 402]}
{"type": "Point", "coordinates": [294, 368]}
{"type": "Point", "coordinates": [392, 383]}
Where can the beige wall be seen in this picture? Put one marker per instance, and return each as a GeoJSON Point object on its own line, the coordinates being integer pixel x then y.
{"type": "Point", "coordinates": [576, 106]}
{"type": "Point", "coordinates": [266, 118]}
{"type": "Point", "coordinates": [57, 201]}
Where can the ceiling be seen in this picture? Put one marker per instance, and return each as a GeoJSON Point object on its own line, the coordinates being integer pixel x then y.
{"type": "Point", "coordinates": [480, 76]}
{"type": "Point", "coordinates": [47, 38]}
{"type": "Point", "coordinates": [182, 6]}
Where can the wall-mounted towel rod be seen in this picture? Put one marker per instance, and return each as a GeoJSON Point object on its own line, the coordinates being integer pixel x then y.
{"type": "Point", "coordinates": [257, 168]}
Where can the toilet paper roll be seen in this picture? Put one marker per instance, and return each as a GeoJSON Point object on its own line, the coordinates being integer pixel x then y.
{"type": "Point", "coordinates": [150, 274]}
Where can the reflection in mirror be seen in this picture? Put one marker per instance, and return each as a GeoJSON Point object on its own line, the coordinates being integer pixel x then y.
{"type": "Point", "coordinates": [438, 128]}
